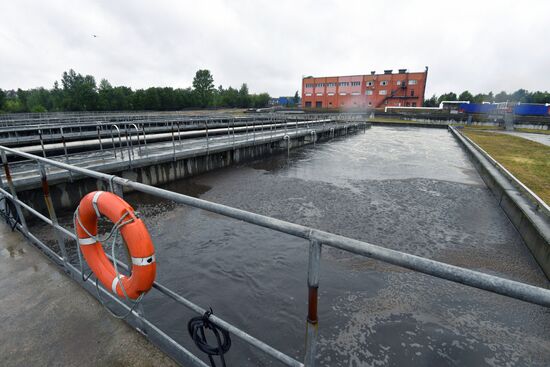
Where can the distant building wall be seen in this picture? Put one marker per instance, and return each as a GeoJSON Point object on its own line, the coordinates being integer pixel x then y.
{"type": "Point", "coordinates": [402, 89]}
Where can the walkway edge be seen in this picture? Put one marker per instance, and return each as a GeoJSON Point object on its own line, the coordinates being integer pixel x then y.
{"type": "Point", "coordinates": [531, 221]}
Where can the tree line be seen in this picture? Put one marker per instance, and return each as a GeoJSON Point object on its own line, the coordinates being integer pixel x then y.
{"type": "Point", "coordinates": [521, 95]}
{"type": "Point", "coordinates": [79, 92]}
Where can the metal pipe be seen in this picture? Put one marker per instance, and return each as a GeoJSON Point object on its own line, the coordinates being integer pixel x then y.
{"type": "Point", "coordinates": [15, 200]}
{"type": "Point", "coordinates": [51, 211]}
{"type": "Point", "coordinates": [41, 142]}
{"type": "Point", "coordinates": [137, 135]}
{"type": "Point", "coordinates": [119, 140]}
{"type": "Point", "coordinates": [173, 144]}
{"type": "Point", "coordinates": [98, 128]}
{"type": "Point", "coordinates": [312, 325]}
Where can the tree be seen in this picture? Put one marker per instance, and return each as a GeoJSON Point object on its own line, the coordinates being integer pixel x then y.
{"type": "Point", "coordinates": [502, 97]}
{"type": "Point", "coordinates": [203, 85]}
{"type": "Point", "coordinates": [260, 100]}
{"type": "Point", "coordinates": [39, 100]}
{"type": "Point", "coordinates": [466, 96]}
{"type": "Point", "coordinates": [56, 97]}
{"type": "Point", "coordinates": [447, 97]}
{"type": "Point", "coordinates": [105, 95]}
{"type": "Point", "coordinates": [80, 92]}
{"type": "Point", "coordinates": [2, 98]}
{"type": "Point", "coordinates": [244, 97]}
{"type": "Point", "coordinates": [296, 98]}
{"type": "Point", "coordinates": [431, 102]}
{"type": "Point", "coordinates": [521, 95]}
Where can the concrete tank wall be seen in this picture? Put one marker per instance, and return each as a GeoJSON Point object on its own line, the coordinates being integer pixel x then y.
{"type": "Point", "coordinates": [66, 195]}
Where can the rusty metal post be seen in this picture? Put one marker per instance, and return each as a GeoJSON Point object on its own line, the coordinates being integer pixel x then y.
{"type": "Point", "coordinates": [312, 326]}
{"type": "Point", "coordinates": [42, 142]}
{"type": "Point", "coordinates": [51, 212]}
{"type": "Point", "coordinates": [14, 193]}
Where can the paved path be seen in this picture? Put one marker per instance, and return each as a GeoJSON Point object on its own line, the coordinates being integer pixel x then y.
{"type": "Point", "coordinates": [539, 138]}
{"type": "Point", "coordinates": [49, 320]}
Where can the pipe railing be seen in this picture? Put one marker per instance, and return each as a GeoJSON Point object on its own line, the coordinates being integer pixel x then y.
{"type": "Point", "coordinates": [316, 240]}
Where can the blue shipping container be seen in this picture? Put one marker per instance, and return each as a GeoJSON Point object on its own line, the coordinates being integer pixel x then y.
{"type": "Point", "coordinates": [477, 107]}
{"type": "Point", "coordinates": [531, 109]}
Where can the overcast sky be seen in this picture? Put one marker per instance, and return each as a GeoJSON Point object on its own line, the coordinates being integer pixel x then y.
{"type": "Point", "coordinates": [476, 45]}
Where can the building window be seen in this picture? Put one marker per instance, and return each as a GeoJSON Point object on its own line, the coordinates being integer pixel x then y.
{"type": "Point", "coordinates": [308, 94]}
{"type": "Point", "coordinates": [331, 84]}
{"type": "Point", "coordinates": [355, 84]}
{"type": "Point", "coordinates": [343, 84]}
{"type": "Point", "coordinates": [320, 85]}
{"type": "Point", "coordinates": [412, 82]}
{"type": "Point", "coordinates": [384, 83]}
{"type": "Point", "coordinates": [308, 104]}
{"type": "Point", "coordinates": [368, 92]}
{"type": "Point", "coordinates": [382, 92]}
{"type": "Point", "coordinates": [355, 93]}
{"type": "Point", "coordinates": [319, 94]}
{"type": "Point", "coordinates": [370, 84]}
{"type": "Point", "coordinates": [370, 103]}
{"type": "Point", "coordinates": [343, 93]}
{"type": "Point", "coordinates": [398, 83]}
{"type": "Point", "coordinates": [412, 93]}
{"type": "Point", "coordinates": [309, 85]}
{"type": "Point", "coordinates": [330, 93]}
{"type": "Point", "coordinates": [414, 104]}
{"type": "Point", "coordinates": [318, 104]}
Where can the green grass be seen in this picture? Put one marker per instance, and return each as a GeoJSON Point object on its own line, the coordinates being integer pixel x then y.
{"type": "Point", "coordinates": [527, 160]}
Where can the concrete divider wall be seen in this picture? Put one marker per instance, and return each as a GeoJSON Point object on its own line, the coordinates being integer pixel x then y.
{"type": "Point", "coordinates": [532, 224]}
{"type": "Point", "coordinates": [66, 195]}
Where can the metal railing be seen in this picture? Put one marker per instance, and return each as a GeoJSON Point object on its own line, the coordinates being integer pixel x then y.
{"type": "Point", "coordinates": [315, 238]}
{"type": "Point", "coordinates": [183, 143]}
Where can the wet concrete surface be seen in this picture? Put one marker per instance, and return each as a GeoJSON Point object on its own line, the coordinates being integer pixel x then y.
{"type": "Point", "coordinates": [539, 138]}
{"type": "Point", "coordinates": [49, 320]}
{"type": "Point", "coordinates": [408, 189]}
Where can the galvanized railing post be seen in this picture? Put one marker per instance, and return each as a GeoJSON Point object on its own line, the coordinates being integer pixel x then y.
{"type": "Point", "coordinates": [14, 193]}
{"type": "Point", "coordinates": [98, 128]}
{"type": "Point", "coordinates": [42, 142]}
{"type": "Point", "coordinates": [207, 145]}
{"type": "Point", "coordinates": [65, 151]}
{"type": "Point", "coordinates": [173, 144]}
{"type": "Point", "coordinates": [312, 326]}
{"type": "Point", "coordinates": [51, 212]}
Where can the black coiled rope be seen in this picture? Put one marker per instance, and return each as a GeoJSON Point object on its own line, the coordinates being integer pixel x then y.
{"type": "Point", "coordinates": [9, 212]}
{"type": "Point", "coordinates": [197, 326]}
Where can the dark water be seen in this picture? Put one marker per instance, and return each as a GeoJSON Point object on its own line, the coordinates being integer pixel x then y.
{"type": "Point", "coordinates": [408, 189]}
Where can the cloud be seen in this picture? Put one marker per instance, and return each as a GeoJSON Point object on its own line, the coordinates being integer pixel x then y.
{"type": "Point", "coordinates": [475, 45]}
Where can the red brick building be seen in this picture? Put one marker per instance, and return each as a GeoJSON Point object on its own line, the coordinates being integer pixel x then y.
{"type": "Point", "coordinates": [365, 91]}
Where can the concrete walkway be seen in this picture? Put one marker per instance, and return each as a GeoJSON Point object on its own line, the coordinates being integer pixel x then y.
{"type": "Point", "coordinates": [539, 138]}
{"type": "Point", "coordinates": [49, 320]}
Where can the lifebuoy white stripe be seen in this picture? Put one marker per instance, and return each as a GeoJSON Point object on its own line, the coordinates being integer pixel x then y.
{"type": "Point", "coordinates": [115, 283]}
{"type": "Point", "coordinates": [143, 261]}
{"type": "Point", "coordinates": [94, 202]}
{"type": "Point", "coordinates": [86, 241]}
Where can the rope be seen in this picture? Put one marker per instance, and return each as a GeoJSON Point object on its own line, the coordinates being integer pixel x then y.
{"type": "Point", "coordinates": [112, 233]}
{"type": "Point", "coordinates": [10, 213]}
{"type": "Point", "coordinates": [196, 328]}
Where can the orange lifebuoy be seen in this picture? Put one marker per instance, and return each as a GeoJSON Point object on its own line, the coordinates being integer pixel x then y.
{"type": "Point", "coordinates": [134, 233]}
